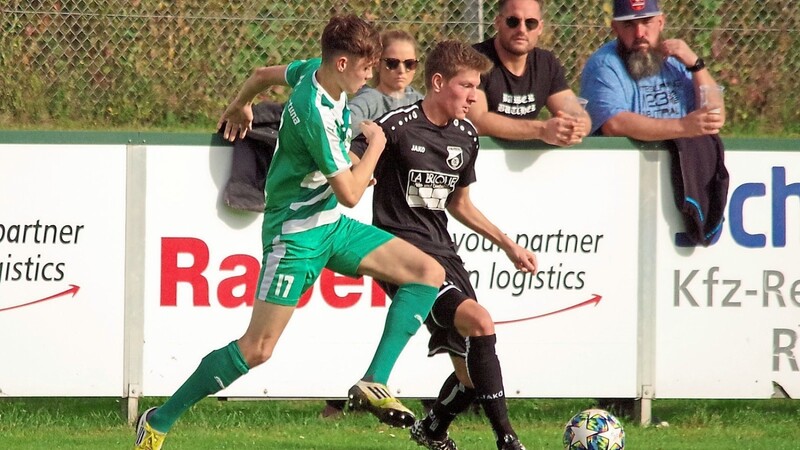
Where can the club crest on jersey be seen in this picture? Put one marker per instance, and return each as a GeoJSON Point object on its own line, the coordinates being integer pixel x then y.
{"type": "Point", "coordinates": [455, 157]}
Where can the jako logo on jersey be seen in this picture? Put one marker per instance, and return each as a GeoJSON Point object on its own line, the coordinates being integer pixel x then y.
{"type": "Point", "coordinates": [418, 148]}
{"type": "Point", "coordinates": [455, 157]}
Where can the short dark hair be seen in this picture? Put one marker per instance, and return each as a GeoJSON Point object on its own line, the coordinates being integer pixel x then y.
{"type": "Point", "coordinates": [352, 36]}
{"type": "Point", "coordinates": [449, 57]}
{"type": "Point", "coordinates": [502, 4]}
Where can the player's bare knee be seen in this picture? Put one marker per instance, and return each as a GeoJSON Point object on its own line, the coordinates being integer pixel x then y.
{"type": "Point", "coordinates": [474, 328]}
{"type": "Point", "coordinates": [472, 319]}
{"type": "Point", "coordinates": [484, 325]}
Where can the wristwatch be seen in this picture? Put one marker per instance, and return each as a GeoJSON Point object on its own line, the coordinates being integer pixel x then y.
{"type": "Point", "coordinates": [698, 66]}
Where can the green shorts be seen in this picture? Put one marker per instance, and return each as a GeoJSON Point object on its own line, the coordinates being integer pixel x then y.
{"type": "Point", "coordinates": [292, 262]}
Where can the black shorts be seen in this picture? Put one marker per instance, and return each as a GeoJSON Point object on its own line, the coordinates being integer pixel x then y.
{"type": "Point", "coordinates": [456, 288]}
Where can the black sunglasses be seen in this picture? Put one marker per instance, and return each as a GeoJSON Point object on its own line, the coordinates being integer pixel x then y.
{"type": "Point", "coordinates": [394, 63]}
{"type": "Point", "coordinates": [530, 23]}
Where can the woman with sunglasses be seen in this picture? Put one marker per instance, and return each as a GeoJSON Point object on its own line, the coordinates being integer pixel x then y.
{"type": "Point", "coordinates": [396, 70]}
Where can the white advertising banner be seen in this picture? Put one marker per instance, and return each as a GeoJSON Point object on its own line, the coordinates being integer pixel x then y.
{"type": "Point", "coordinates": [62, 270]}
{"type": "Point", "coordinates": [725, 319]}
{"type": "Point", "coordinates": [577, 210]}
{"type": "Point", "coordinates": [728, 316]}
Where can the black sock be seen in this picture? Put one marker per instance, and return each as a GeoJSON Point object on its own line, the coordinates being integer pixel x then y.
{"type": "Point", "coordinates": [453, 399]}
{"type": "Point", "coordinates": [484, 371]}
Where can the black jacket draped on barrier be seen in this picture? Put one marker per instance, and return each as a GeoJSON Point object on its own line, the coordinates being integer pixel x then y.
{"type": "Point", "coordinates": [251, 158]}
{"type": "Point", "coordinates": [700, 185]}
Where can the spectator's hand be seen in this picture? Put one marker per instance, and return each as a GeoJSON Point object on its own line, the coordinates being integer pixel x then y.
{"type": "Point", "coordinates": [581, 125]}
{"type": "Point", "coordinates": [238, 120]}
{"type": "Point", "coordinates": [680, 50]}
{"type": "Point", "coordinates": [701, 122]}
{"type": "Point", "coordinates": [559, 130]}
{"type": "Point", "coordinates": [374, 134]}
{"type": "Point", "coordinates": [523, 259]}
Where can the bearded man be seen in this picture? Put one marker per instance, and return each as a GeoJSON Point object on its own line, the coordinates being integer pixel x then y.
{"type": "Point", "coordinates": [645, 87]}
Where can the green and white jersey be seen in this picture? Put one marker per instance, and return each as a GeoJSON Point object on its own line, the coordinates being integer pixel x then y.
{"type": "Point", "coordinates": [313, 142]}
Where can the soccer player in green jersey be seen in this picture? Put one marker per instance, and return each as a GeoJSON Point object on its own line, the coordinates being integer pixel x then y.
{"type": "Point", "coordinates": [303, 232]}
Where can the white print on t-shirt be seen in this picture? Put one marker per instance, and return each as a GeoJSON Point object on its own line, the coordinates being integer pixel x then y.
{"type": "Point", "coordinates": [660, 100]}
{"type": "Point", "coordinates": [517, 105]}
{"type": "Point", "coordinates": [429, 189]}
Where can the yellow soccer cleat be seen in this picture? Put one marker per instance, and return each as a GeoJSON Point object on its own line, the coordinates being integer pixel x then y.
{"type": "Point", "coordinates": [375, 398]}
{"type": "Point", "coordinates": [146, 437]}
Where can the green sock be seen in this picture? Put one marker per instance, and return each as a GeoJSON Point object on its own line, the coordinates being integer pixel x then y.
{"type": "Point", "coordinates": [216, 371]}
{"type": "Point", "coordinates": [409, 308]}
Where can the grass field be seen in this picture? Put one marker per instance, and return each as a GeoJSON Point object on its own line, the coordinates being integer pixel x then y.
{"type": "Point", "coordinates": [95, 423]}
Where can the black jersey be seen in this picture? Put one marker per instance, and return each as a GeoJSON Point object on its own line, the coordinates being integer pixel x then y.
{"type": "Point", "coordinates": [418, 171]}
{"type": "Point", "coordinates": [521, 96]}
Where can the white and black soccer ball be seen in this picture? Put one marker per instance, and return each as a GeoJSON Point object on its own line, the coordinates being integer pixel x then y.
{"type": "Point", "coordinates": [594, 429]}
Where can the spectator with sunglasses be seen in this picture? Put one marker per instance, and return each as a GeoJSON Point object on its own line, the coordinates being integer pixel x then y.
{"type": "Point", "coordinates": [524, 80]}
{"type": "Point", "coordinates": [396, 70]}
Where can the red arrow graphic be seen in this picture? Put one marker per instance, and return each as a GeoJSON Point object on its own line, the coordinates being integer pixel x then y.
{"type": "Point", "coordinates": [596, 299]}
{"type": "Point", "coordinates": [72, 289]}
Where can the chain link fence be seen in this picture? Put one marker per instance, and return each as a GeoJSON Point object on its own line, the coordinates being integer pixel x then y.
{"type": "Point", "coordinates": [154, 63]}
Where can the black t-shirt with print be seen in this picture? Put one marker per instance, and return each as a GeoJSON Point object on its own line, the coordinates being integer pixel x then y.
{"type": "Point", "coordinates": [526, 95]}
{"type": "Point", "coordinates": [418, 171]}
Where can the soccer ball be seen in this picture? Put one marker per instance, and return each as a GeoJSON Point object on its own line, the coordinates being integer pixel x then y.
{"type": "Point", "coordinates": [594, 429]}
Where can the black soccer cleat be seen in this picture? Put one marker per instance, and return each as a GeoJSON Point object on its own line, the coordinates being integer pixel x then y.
{"type": "Point", "coordinates": [420, 436]}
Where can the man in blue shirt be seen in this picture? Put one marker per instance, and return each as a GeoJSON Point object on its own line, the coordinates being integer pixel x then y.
{"type": "Point", "coordinates": [645, 87]}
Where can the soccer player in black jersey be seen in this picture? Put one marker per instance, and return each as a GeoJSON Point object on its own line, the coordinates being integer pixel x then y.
{"type": "Point", "coordinates": [523, 81]}
{"type": "Point", "coordinates": [425, 172]}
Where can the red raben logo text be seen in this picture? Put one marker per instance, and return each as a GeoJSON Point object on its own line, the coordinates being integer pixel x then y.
{"type": "Point", "coordinates": [194, 275]}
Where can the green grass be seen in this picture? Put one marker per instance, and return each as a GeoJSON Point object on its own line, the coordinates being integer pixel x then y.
{"type": "Point", "coordinates": [95, 423]}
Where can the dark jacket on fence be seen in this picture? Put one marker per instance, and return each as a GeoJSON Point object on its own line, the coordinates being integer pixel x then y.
{"type": "Point", "coordinates": [251, 158]}
{"type": "Point", "coordinates": [700, 185]}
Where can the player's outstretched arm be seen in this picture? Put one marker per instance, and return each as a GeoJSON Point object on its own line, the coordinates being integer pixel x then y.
{"type": "Point", "coordinates": [463, 210]}
{"type": "Point", "coordinates": [238, 116]}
